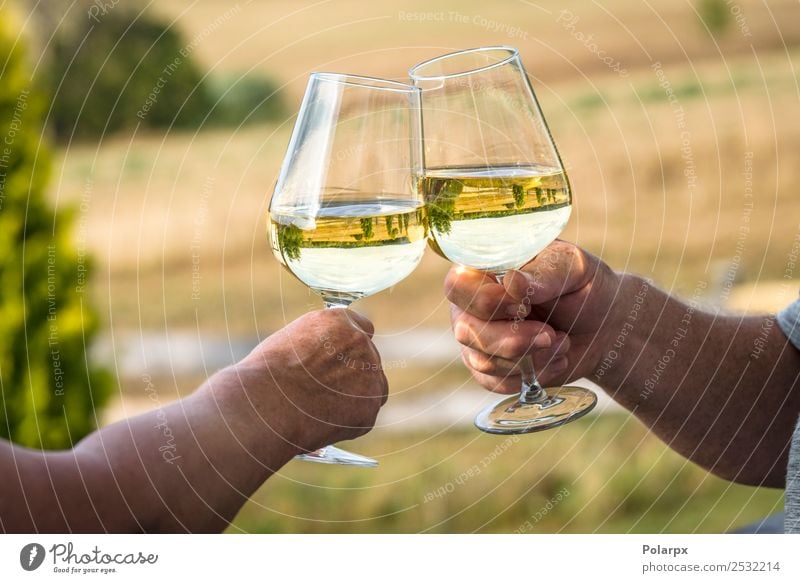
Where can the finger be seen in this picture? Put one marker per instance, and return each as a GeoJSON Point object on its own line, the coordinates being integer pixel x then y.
{"type": "Point", "coordinates": [506, 339]}
{"type": "Point", "coordinates": [480, 294]}
{"type": "Point", "coordinates": [554, 372]}
{"type": "Point", "coordinates": [504, 385]}
{"type": "Point", "coordinates": [374, 363]}
{"type": "Point", "coordinates": [545, 358]}
{"type": "Point", "coordinates": [560, 269]}
{"type": "Point", "coordinates": [384, 388]}
{"type": "Point", "coordinates": [497, 366]}
{"type": "Point", "coordinates": [360, 322]}
{"type": "Point", "coordinates": [487, 364]}
{"type": "Point", "coordinates": [563, 341]}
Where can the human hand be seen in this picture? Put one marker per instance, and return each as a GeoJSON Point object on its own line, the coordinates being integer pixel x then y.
{"type": "Point", "coordinates": [317, 381]}
{"type": "Point", "coordinates": [555, 310]}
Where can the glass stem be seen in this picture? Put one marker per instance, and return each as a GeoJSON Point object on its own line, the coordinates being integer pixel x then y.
{"type": "Point", "coordinates": [336, 302]}
{"type": "Point", "coordinates": [531, 391]}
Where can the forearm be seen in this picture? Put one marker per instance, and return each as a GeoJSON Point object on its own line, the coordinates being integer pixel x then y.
{"type": "Point", "coordinates": [721, 390]}
{"type": "Point", "coordinates": [188, 466]}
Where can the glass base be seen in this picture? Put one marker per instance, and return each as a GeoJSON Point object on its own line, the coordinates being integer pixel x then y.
{"type": "Point", "coordinates": [560, 405]}
{"type": "Point", "coordinates": [334, 455]}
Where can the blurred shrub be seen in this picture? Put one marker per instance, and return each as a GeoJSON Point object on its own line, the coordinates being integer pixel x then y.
{"type": "Point", "coordinates": [244, 99]}
{"type": "Point", "coordinates": [715, 15]}
{"type": "Point", "coordinates": [588, 102]}
{"type": "Point", "coordinates": [50, 393]}
{"type": "Point", "coordinates": [128, 68]}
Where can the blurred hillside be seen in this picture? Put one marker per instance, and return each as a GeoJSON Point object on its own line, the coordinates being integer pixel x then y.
{"type": "Point", "coordinates": [635, 204]}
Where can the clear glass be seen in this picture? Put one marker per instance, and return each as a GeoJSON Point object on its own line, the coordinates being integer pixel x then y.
{"type": "Point", "coordinates": [497, 195]}
{"type": "Point", "coordinates": [346, 217]}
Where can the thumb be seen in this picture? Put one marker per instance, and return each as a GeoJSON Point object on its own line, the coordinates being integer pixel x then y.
{"type": "Point", "coordinates": [361, 322]}
{"type": "Point", "coordinates": [560, 269]}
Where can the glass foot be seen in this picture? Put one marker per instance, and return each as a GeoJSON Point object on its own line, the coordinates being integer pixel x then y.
{"type": "Point", "coordinates": [334, 455]}
{"type": "Point", "coordinates": [560, 405]}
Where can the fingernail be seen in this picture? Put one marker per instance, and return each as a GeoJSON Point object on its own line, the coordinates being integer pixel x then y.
{"type": "Point", "coordinates": [542, 341]}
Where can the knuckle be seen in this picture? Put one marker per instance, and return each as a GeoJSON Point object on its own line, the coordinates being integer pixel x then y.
{"type": "Point", "coordinates": [486, 366]}
{"type": "Point", "coordinates": [478, 362]}
{"type": "Point", "coordinates": [466, 359]}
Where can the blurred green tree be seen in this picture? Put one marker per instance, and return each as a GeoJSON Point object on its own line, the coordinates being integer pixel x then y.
{"type": "Point", "coordinates": [49, 393]}
{"type": "Point", "coordinates": [123, 66]}
{"type": "Point", "coordinates": [119, 71]}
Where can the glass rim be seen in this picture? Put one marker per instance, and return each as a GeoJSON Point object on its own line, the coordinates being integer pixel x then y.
{"type": "Point", "coordinates": [365, 82]}
{"type": "Point", "coordinates": [513, 53]}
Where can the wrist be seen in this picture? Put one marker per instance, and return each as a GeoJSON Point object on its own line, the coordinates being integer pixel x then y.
{"type": "Point", "coordinates": [256, 413]}
{"type": "Point", "coordinates": [623, 334]}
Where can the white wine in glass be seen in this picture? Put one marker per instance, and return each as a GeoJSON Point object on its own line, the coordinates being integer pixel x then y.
{"type": "Point", "coordinates": [346, 217]}
{"type": "Point", "coordinates": [494, 218]}
{"type": "Point", "coordinates": [350, 250]}
{"type": "Point", "coordinates": [497, 195]}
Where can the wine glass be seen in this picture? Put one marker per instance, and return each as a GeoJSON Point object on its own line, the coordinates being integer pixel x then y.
{"type": "Point", "coordinates": [497, 195]}
{"type": "Point", "coordinates": [346, 217]}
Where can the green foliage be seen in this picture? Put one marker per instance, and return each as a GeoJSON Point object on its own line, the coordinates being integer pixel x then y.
{"type": "Point", "coordinates": [290, 238]}
{"type": "Point", "coordinates": [367, 228]}
{"type": "Point", "coordinates": [119, 72]}
{"type": "Point", "coordinates": [49, 392]}
{"type": "Point", "coordinates": [519, 195]}
{"type": "Point", "coordinates": [442, 204]}
{"type": "Point", "coordinates": [589, 102]}
{"type": "Point", "coordinates": [715, 14]}
{"type": "Point", "coordinates": [244, 99]}
{"type": "Point", "coordinates": [130, 69]}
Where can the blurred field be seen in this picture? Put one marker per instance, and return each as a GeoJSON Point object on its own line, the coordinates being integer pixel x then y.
{"type": "Point", "coordinates": [611, 475]}
{"type": "Point", "coordinates": [157, 200]}
{"type": "Point", "coordinates": [177, 223]}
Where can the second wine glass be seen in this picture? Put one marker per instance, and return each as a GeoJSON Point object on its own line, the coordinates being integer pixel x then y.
{"type": "Point", "coordinates": [497, 195]}
{"type": "Point", "coordinates": [346, 217]}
